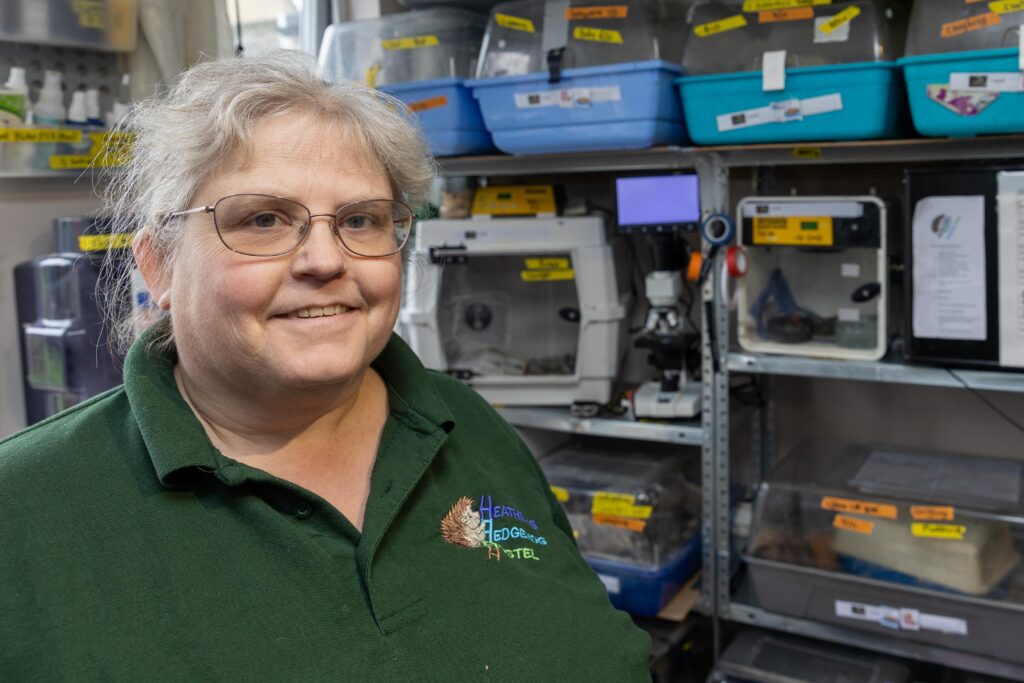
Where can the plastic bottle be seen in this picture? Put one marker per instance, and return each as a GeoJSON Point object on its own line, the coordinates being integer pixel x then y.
{"type": "Point", "coordinates": [78, 117]}
{"type": "Point", "coordinates": [92, 107]}
{"type": "Point", "coordinates": [48, 112]}
{"type": "Point", "coordinates": [15, 108]}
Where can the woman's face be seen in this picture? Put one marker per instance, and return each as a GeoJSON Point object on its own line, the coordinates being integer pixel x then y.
{"type": "Point", "coordinates": [236, 317]}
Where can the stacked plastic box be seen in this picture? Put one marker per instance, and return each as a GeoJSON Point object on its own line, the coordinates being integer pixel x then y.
{"type": "Point", "coordinates": [964, 67]}
{"type": "Point", "coordinates": [822, 72]}
{"type": "Point", "coordinates": [423, 59]}
{"type": "Point", "coordinates": [636, 518]}
{"type": "Point", "coordinates": [570, 75]}
{"type": "Point", "coordinates": [915, 545]}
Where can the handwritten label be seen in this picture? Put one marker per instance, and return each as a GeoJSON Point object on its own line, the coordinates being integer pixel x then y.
{"type": "Point", "coordinates": [91, 13]}
{"type": "Point", "coordinates": [713, 27]}
{"type": "Point", "coordinates": [775, 16]}
{"type": "Point", "coordinates": [597, 35]}
{"type": "Point", "coordinates": [1006, 6]}
{"type": "Point", "coordinates": [432, 103]}
{"type": "Point", "coordinates": [560, 493]}
{"type": "Point", "coordinates": [844, 17]}
{"type": "Point", "coordinates": [40, 135]}
{"type": "Point", "coordinates": [949, 532]}
{"type": "Point", "coordinates": [619, 505]}
{"type": "Point", "coordinates": [411, 43]}
{"type": "Point", "coordinates": [806, 152]}
{"type": "Point", "coordinates": [956, 28]}
{"type": "Point", "coordinates": [89, 243]}
{"type": "Point", "coordinates": [514, 23]}
{"type": "Point", "coordinates": [758, 5]}
{"type": "Point", "coordinates": [547, 263]}
{"type": "Point", "coordinates": [597, 12]}
{"type": "Point", "coordinates": [855, 524]}
{"type": "Point", "coordinates": [932, 513]}
{"type": "Point", "coordinates": [547, 275]}
{"type": "Point", "coordinates": [859, 507]}
{"type": "Point", "coordinates": [637, 525]}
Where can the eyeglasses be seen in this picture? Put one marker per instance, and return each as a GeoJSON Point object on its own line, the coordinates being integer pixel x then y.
{"type": "Point", "coordinates": [264, 225]}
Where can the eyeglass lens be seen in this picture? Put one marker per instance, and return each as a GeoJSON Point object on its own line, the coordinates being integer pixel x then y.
{"type": "Point", "coordinates": [261, 225]}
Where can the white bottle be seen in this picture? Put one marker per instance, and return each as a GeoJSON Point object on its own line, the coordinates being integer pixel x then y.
{"type": "Point", "coordinates": [78, 117]}
{"type": "Point", "coordinates": [49, 108]}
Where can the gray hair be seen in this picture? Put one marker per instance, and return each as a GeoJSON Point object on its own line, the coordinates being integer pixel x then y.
{"type": "Point", "coordinates": [184, 134]}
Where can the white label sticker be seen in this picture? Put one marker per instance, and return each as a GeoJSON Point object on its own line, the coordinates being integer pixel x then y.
{"type": "Point", "coordinates": [900, 618]}
{"type": "Point", "coordinates": [773, 70]}
{"type": "Point", "coordinates": [848, 315]}
{"type": "Point", "coordinates": [611, 583]}
{"type": "Point", "coordinates": [850, 270]}
{"type": "Point", "coordinates": [785, 111]}
{"type": "Point", "coordinates": [994, 81]}
{"type": "Point", "coordinates": [568, 98]}
{"type": "Point", "coordinates": [840, 34]}
{"type": "Point", "coordinates": [804, 208]}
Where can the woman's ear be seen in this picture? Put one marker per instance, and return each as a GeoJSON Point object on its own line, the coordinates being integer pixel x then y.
{"type": "Point", "coordinates": [153, 268]}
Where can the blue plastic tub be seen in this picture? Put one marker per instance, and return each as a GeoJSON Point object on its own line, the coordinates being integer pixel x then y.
{"type": "Point", "coordinates": [618, 106]}
{"type": "Point", "coordinates": [871, 95]}
{"type": "Point", "coordinates": [643, 591]}
{"type": "Point", "coordinates": [962, 114]}
{"type": "Point", "coordinates": [448, 114]}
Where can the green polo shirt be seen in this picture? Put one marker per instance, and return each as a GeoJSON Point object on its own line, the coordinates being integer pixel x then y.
{"type": "Point", "coordinates": [131, 548]}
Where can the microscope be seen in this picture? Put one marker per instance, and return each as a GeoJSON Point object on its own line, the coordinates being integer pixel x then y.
{"type": "Point", "coordinates": [661, 209]}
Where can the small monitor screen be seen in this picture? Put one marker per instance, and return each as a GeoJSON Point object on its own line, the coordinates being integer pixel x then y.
{"type": "Point", "coordinates": [658, 203]}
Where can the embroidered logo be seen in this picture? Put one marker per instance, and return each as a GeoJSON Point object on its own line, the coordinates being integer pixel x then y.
{"type": "Point", "coordinates": [463, 526]}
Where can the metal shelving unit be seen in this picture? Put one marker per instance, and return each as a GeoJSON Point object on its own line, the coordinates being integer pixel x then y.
{"type": "Point", "coordinates": [689, 433]}
{"type": "Point", "coordinates": [882, 371]}
{"type": "Point", "coordinates": [739, 605]}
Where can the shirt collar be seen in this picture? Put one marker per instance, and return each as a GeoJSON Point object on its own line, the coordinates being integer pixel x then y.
{"type": "Point", "coordinates": [176, 441]}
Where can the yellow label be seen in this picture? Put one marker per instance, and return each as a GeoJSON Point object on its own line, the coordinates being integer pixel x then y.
{"type": "Point", "coordinates": [844, 17]}
{"type": "Point", "coordinates": [40, 135]}
{"type": "Point", "coordinates": [597, 35]}
{"type": "Point", "coordinates": [794, 14]}
{"type": "Point", "coordinates": [561, 494]}
{"type": "Point", "coordinates": [547, 263]}
{"type": "Point", "coordinates": [637, 525]}
{"type": "Point", "coordinates": [107, 149]}
{"type": "Point", "coordinates": [932, 513]}
{"type": "Point", "coordinates": [619, 505]}
{"type": "Point", "coordinates": [949, 532]}
{"type": "Point", "coordinates": [371, 75]}
{"type": "Point", "coordinates": [720, 26]}
{"type": "Point", "coordinates": [547, 275]}
{"type": "Point", "coordinates": [514, 23]}
{"type": "Point", "coordinates": [861, 526]}
{"type": "Point", "coordinates": [597, 12]}
{"type": "Point", "coordinates": [517, 200]}
{"type": "Point", "coordinates": [411, 43]}
{"type": "Point", "coordinates": [758, 5]}
{"type": "Point", "coordinates": [815, 231]}
{"type": "Point", "coordinates": [432, 103]}
{"type": "Point", "coordinates": [859, 507]}
{"type": "Point", "coordinates": [807, 152]}
{"type": "Point", "coordinates": [104, 242]}
{"type": "Point", "coordinates": [91, 13]}
{"type": "Point", "coordinates": [956, 28]}
{"type": "Point", "coordinates": [1006, 6]}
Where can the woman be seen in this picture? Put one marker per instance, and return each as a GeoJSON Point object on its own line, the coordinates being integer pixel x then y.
{"type": "Point", "coordinates": [280, 490]}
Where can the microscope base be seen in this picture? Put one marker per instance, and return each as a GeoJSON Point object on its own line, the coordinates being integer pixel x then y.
{"type": "Point", "coordinates": [650, 401]}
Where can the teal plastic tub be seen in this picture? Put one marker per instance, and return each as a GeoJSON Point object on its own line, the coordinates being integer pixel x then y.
{"type": "Point", "coordinates": [859, 101]}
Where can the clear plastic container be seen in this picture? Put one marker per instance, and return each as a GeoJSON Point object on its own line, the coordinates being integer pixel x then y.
{"type": "Point", "coordinates": [626, 504]}
{"type": "Point", "coordinates": [521, 34]}
{"type": "Point", "coordinates": [402, 48]}
{"type": "Point", "coordinates": [724, 39]}
{"type": "Point", "coordinates": [919, 545]}
{"type": "Point", "coordinates": [939, 26]}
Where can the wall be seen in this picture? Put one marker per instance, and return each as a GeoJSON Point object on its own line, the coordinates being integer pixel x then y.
{"type": "Point", "coordinates": [28, 209]}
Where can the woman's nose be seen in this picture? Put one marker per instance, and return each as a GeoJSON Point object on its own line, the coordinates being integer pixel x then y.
{"type": "Point", "coordinates": [321, 254]}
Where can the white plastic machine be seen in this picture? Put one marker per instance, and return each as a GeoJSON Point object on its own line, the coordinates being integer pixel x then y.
{"type": "Point", "coordinates": [528, 311]}
{"type": "Point", "coordinates": [816, 284]}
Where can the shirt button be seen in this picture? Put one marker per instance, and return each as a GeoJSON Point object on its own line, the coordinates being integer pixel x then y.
{"type": "Point", "coordinates": [303, 509]}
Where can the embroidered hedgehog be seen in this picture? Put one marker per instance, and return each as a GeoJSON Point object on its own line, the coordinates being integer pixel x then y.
{"type": "Point", "coordinates": [461, 526]}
